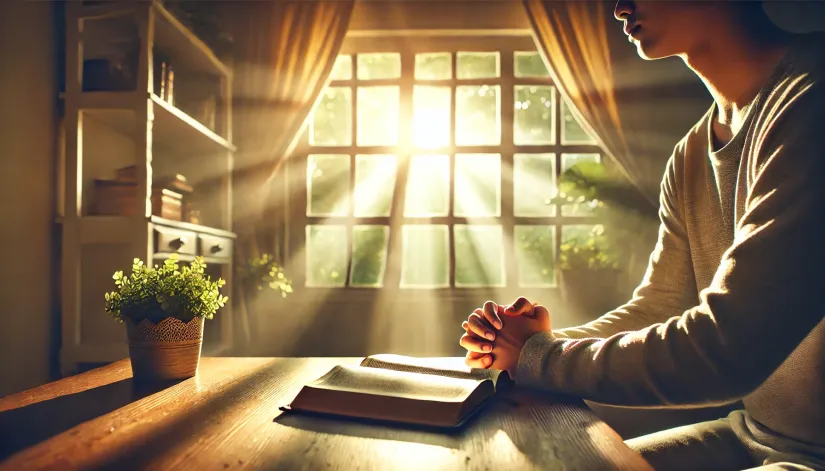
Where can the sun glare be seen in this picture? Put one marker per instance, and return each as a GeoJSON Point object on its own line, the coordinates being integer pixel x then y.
{"type": "Point", "coordinates": [429, 131]}
{"type": "Point", "coordinates": [431, 116]}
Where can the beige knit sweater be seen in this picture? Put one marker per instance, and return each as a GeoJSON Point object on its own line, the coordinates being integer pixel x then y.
{"type": "Point", "coordinates": [732, 304]}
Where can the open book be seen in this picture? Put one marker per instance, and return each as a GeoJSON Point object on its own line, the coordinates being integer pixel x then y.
{"type": "Point", "coordinates": [439, 392]}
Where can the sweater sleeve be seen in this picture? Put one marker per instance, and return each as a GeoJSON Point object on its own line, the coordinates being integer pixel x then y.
{"type": "Point", "coordinates": [765, 297]}
{"type": "Point", "coordinates": [668, 285]}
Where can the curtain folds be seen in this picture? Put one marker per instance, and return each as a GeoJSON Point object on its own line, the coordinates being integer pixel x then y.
{"type": "Point", "coordinates": [285, 52]}
{"type": "Point", "coordinates": [582, 44]}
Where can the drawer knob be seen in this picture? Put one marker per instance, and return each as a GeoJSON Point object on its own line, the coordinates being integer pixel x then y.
{"type": "Point", "coordinates": [216, 248]}
{"type": "Point", "coordinates": [178, 243]}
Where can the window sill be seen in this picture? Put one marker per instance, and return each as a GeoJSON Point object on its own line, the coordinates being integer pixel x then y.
{"type": "Point", "coordinates": [410, 295]}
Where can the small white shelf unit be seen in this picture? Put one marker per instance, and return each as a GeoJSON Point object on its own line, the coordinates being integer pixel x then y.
{"type": "Point", "coordinates": [106, 130]}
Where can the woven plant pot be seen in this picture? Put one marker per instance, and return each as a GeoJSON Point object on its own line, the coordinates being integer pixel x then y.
{"type": "Point", "coordinates": [166, 351]}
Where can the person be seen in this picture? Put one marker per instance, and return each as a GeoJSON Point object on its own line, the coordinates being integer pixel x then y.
{"type": "Point", "coordinates": [731, 305]}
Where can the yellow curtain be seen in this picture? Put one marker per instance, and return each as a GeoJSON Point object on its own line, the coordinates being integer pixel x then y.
{"type": "Point", "coordinates": [285, 51]}
{"type": "Point", "coordinates": [573, 38]}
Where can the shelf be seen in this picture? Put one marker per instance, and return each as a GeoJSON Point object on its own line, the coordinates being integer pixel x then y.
{"type": "Point", "coordinates": [137, 127]}
{"type": "Point", "coordinates": [188, 226]}
{"type": "Point", "coordinates": [121, 229]}
{"type": "Point", "coordinates": [104, 100]}
{"type": "Point", "coordinates": [183, 46]}
{"type": "Point", "coordinates": [104, 10]}
{"type": "Point", "coordinates": [171, 36]}
{"type": "Point", "coordinates": [172, 124]}
{"type": "Point", "coordinates": [172, 128]}
{"type": "Point", "coordinates": [159, 256]}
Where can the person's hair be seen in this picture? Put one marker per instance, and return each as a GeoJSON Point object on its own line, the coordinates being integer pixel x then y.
{"type": "Point", "coordinates": [756, 22]}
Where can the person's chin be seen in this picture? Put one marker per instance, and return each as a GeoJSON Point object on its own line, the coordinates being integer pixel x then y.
{"type": "Point", "coordinates": [648, 51]}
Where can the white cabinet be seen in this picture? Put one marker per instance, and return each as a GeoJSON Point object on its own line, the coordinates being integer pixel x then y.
{"type": "Point", "coordinates": [109, 129]}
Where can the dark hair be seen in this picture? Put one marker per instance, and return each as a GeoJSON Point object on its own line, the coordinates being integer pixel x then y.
{"type": "Point", "coordinates": [757, 22]}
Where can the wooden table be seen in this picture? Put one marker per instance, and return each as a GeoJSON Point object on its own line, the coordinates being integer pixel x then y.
{"type": "Point", "coordinates": [228, 418]}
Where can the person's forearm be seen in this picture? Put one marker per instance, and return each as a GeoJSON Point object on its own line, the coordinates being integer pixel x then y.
{"type": "Point", "coordinates": [653, 301]}
{"type": "Point", "coordinates": [623, 319]}
{"type": "Point", "coordinates": [668, 286]}
{"type": "Point", "coordinates": [626, 369]}
{"type": "Point", "coordinates": [601, 328]}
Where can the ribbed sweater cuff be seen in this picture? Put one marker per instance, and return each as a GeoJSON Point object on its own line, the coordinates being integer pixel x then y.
{"type": "Point", "coordinates": [532, 362]}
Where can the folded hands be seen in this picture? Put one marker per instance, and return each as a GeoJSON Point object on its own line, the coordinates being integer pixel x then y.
{"type": "Point", "coordinates": [495, 334]}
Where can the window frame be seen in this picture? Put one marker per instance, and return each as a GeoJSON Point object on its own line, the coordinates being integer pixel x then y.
{"type": "Point", "coordinates": [408, 47]}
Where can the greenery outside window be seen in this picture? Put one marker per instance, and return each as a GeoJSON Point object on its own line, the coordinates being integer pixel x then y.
{"type": "Point", "coordinates": [444, 156]}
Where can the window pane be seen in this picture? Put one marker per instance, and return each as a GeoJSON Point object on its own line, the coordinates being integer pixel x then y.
{"type": "Point", "coordinates": [326, 248]}
{"type": "Point", "coordinates": [479, 256]}
{"type": "Point", "coordinates": [535, 255]}
{"type": "Point", "coordinates": [342, 70]}
{"type": "Point", "coordinates": [379, 66]}
{"type": "Point", "coordinates": [332, 119]}
{"type": "Point", "coordinates": [328, 185]}
{"type": "Point", "coordinates": [369, 255]}
{"type": "Point", "coordinates": [585, 246]}
{"type": "Point", "coordinates": [534, 184]}
{"type": "Point", "coordinates": [433, 66]}
{"type": "Point", "coordinates": [477, 185]}
{"type": "Point", "coordinates": [474, 65]}
{"type": "Point", "coordinates": [534, 120]}
{"type": "Point", "coordinates": [478, 115]}
{"type": "Point", "coordinates": [571, 131]}
{"type": "Point", "coordinates": [426, 256]}
{"type": "Point", "coordinates": [530, 64]}
{"type": "Point", "coordinates": [428, 186]}
{"type": "Point", "coordinates": [377, 116]}
{"type": "Point", "coordinates": [374, 185]}
{"type": "Point", "coordinates": [578, 207]}
{"type": "Point", "coordinates": [431, 116]}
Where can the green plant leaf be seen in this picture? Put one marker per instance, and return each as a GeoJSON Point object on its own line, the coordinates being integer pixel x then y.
{"type": "Point", "coordinates": [263, 272]}
{"type": "Point", "coordinates": [167, 290]}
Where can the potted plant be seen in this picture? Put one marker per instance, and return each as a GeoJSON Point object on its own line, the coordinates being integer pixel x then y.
{"type": "Point", "coordinates": [164, 308]}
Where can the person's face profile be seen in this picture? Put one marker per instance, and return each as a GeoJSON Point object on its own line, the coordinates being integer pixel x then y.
{"type": "Point", "coordinates": [664, 28]}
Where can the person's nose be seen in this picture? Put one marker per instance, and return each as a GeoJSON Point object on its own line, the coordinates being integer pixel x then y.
{"type": "Point", "coordinates": [623, 9]}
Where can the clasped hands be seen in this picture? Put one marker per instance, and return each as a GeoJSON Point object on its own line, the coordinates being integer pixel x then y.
{"type": "Point", "coordinates": [495, 335]}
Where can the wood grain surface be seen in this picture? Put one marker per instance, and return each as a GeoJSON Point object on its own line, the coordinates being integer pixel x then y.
{"type": "Point", "coordinates": [227, 418]}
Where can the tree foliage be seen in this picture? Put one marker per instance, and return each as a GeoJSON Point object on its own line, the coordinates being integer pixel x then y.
{"type": "Point", "coordinates": [622, 208]}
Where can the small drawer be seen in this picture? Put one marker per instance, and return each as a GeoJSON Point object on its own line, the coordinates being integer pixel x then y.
{"type": "Point", "coordinates": [215, 247]}
{"type": "Point", "coordinates": [168, 240]}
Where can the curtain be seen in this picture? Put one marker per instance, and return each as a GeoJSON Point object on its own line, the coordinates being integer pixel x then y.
{"type": "Point", "coordinates": [285, 51]}
{"type": "Point", "coordinates": [637, 110]}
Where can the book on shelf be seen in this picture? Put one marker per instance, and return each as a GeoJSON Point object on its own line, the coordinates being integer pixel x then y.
{"type": "Point", "coordinates": [437, 392]}
{"type": "Point", "coordinates": [176, 182]}
{"type": "Point", "coordinates": [119, 198]}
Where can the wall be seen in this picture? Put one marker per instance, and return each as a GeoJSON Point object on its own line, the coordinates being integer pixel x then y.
{"type": "Point", "coordinates": [422, 15]}
{"type": "Point", "coordinates": [28, 255]}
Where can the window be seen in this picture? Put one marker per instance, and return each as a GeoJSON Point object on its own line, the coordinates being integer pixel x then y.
{"type": "Point", "coordinates": [444, 156]}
